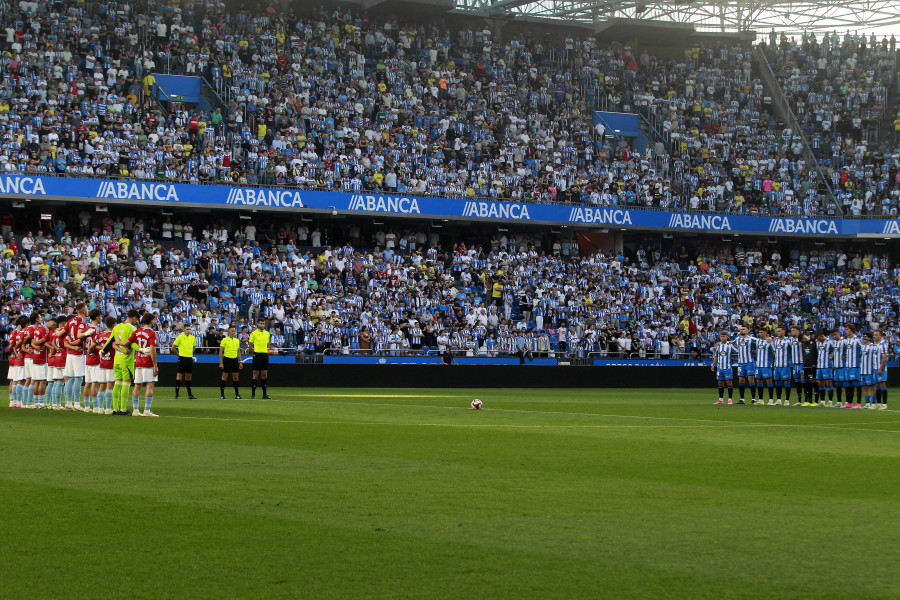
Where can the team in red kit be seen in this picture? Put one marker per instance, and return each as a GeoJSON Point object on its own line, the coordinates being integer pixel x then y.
{"type": "Point", "coordinates": [66, 362]}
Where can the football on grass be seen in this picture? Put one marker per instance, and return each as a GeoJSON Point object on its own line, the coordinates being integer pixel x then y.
{"type": "Point", "coordinates": [476, 404]}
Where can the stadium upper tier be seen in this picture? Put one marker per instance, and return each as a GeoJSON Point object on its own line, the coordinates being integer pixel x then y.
{"type": "Point", "coordinates": [339, 101]}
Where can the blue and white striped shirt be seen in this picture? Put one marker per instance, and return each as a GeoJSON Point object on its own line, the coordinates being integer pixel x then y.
{"type": "Point", "coordinates": [838, 359]}
{"type": "Point", "coordinates": [825, 354]}
{"type": "Point", "coordinates": [884, 349]}
{"type": "Point", "coordinates": [796, 352]}
{"type": "Point", "coordinates": [868, 359]}
{"type": "Point", "coordinates": [723, 354]}
{"type": "Point", "coordinates": [852, 352]}
{"type": "Point", "coordinates": [764, 354]}
{"type": "Point", "coordinates": [747, 349]}
{"type": "Point", "coordinates": [782, 349]}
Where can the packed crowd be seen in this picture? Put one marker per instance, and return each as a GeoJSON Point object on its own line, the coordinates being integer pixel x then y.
{"type": "Point", "coordinates": [329, 289]}
{"type": "Point", "coordinates": [340, 101]}
{"type": "Point", "coordinates": [838, 88]}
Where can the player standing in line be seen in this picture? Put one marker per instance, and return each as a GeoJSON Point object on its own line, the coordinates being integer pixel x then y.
{"type": "Point", "coordinates": [28, 356]}
{"type": "Point", "coordinates": [184, 345]}
{"type": "Point", "coordinates": [723, 368]}
{"type": "Point", "coordinates": [810, 357]}
{"type": "Point", "coordinates": [838, 360]}
{"type": "Point", "coordinates": [39, 335]}
{"type": "Point", "coordinates": [76, 330]}
{"type": "Point", "coordinates": [146, 369]}
{"type": "Point", "coordinates": [10, 371]}
{"type": "Point", "coordinates": [123, 362]}
{"type": "Point", "coordinates": [852, 352]}
{"type": "Point", "coordinates": [746, 346]}
{"type": "Point", "coordinates": [17, 364]}
{"type": "Point", "coordinates": [107, 377]}
{"type": "Point", "coordinates": [92, 401]}
{"type": "Point", "coordinates": [884, 351]}
{"type": "Point", "coordinates": [797, 364]}
{"type": "Point", "coordinates": [764, 365]}
{"type": "Point", "coordinates": [824, 369]}
{"type": "Point", "coordinates": [782, 373]}
{"type": "Point", "coordinates": [868, 365]}
{"type": "Point", "coordinates": [259, 339]}
{"type": "Point", "coordinates": [230, 361]}
{"type": "Point", "coordinates": [13, 319]}
{"type": "Point", "coordinates": [56, 362]}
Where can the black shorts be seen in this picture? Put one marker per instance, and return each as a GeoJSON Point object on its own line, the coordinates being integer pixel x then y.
{"type": "Point", "coordinates": [230, 365]}
{"type": "Point", "coordinates": [185, 364]}
{"type": "Point", "coordinates": [260, 361]}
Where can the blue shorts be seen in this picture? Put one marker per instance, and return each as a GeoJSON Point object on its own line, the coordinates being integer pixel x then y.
{"type": "Point", "coordinates": [783, 374]}
{"type": "Point", "coordinates": [747, 370]}
{"type": "Point", "coordinates": [798, 373]}
{"type": "Point", "coordinates": [824, 374]}
{"type": "Point", "coordinates": [852, 375]}
{"type": "Point", "coordinates": [724, 375]}
{"type": "Point", "coordinates": [840, 374]}
{"type": "Point", "coordinates": [883, 377]}
{"type": "Point", "coordinates": [868, 379]}
{"type": "Point", "coordinates": [763, 373]}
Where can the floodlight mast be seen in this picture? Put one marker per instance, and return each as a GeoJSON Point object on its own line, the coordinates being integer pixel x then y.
{"type": "Point", "coordinates": [788, 16]}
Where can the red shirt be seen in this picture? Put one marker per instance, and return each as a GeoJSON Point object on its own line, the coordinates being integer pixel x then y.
{"type": "Point", "coordinates": [93, 359]}
{"type": "Point", "coordinates": [74, 326]}
{"type": "Point", "coordinates": [58, 359]}
{"type": "Point", "coordinates": [39, 333]}
{"type": "Point", "coordinates": [145, 338]}
{"type": "Point", "coordinates": [106, 360]}
{"type": "Point", "coordinates": [27, 333]}
{"type": "Point", "coordinates": [15, 358]}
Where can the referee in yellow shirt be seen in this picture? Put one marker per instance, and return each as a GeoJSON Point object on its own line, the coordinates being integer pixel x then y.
{"type": "Point", "coordinates": [230, 361]}
{"type": "Point", "coordinates": [184, 346]}
{"type": "Point", "coordinates": [259, 340]}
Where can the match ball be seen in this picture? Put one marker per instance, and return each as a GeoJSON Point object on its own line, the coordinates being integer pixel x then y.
{"type": "Point", "coordinates": [476, 404]}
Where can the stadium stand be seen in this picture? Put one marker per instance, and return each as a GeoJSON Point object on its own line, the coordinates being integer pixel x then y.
{"type": "Point", "coordinates": [839, 89]}
{"type": "Point", "coordinates": [338, 101]}
{"type": "Point", "coordinates": [320, 286]}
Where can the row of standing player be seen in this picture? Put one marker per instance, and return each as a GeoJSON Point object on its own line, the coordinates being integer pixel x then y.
{"type": "Point", "coordinates": [55, 361]}
{"type": "Point", "coordinates": [832, 365]}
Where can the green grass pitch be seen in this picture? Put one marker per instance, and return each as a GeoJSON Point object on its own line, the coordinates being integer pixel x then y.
{"type": "Point", "coordinates": [374, 493]}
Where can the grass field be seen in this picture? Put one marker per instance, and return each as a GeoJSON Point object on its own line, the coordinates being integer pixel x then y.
{"type": "Point", "coordinates": [351, 493]}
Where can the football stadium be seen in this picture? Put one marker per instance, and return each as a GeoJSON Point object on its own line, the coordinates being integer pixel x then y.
{"type": "Point", "coordinates": [450, 299]}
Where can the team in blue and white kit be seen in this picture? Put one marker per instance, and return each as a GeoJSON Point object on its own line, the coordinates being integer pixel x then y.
{"type": "Point", "coordinates": [839, 363]}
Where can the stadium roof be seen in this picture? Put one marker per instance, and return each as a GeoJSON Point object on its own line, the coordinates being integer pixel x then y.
{"type": "Point", "coordinates": [863, 16]}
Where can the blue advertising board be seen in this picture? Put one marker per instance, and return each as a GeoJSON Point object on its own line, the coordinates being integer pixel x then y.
{"type": "Point", "coordinates": [297, 200]}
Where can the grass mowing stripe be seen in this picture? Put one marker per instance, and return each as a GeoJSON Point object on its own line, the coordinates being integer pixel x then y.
{"type": "Point", "coordinates": [718, 424]}
{"type": "Point", "coordinates": [682, 500]}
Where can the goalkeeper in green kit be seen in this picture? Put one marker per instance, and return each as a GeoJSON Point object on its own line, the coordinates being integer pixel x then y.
{"type": "Point", "coordinates": [123, 364]}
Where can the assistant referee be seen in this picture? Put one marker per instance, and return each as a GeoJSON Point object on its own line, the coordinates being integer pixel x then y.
{"type": "Point", "coordinates": [184, 346]}
{"type": "Point", "coordinates": [259, 340]}
{"type": "Point", "coordinates": [230, 361]}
